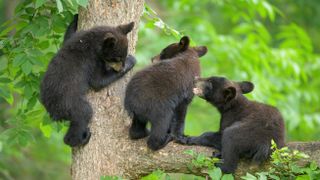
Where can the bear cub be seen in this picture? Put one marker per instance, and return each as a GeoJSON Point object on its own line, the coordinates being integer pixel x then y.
{"type": "Point", "coordinates": [88, 59]}
{"type": "Point", "coordinates": [161, 93]}
{"type": "Point", "coordinates": [246, 127]}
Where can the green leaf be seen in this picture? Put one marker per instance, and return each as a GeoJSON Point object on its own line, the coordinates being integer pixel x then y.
{"type": "Point", "coordinates": [7, 30]}
{"type": "Point", "coordinates": [83, 3]}
{"type": "Point", "coordinates": [270, 10]}
{"type": "Point", "coordinates": [59, 22]}
{"type": "Point", "coordinates": [20, 84]}
{"type": "Point", "coordinates": [46, 130]}
{"type": "Point", "coordinates": [6, 94]}
{"type": "Point", "coordinates": [313, 165]}
{"type": "Point", "coordinates": [215, 174]}
{"type": "Point", "coordinates": [39, 3]}
{"type": "Point", "coordinates": [31, 102]}
{"type": "Point", "coordinates": [18, 60]}
{"type": "Point", "coordinates": [189, 151]}
{"type": "Point", "coordinates": [249, 176]}
{"type": "Point", "coordinates": [274, 177]}
{"type": "Point", "coordinates": [262, 175]}
{"type": "Point", "coordinates": [303, 177]}
{"type": "Point", "coordinates": [46, 119]}
{"type": "Point", "coordinates": [3, 63]}
{"type": "Point", "coordinates": [34, 52]}
{"type": "Point", "coordinates": [155, 175]}
{"type": "Point", "coordinates": [110, 178]}
{"type": "Point", "coordinates": [5, 80]}
{"type": "Point", "coordinates": [1, 146]}
{"type": "Point", "coordinates": [28, 91]}
{"type": "Point", "coordinates": [44, 45]}
{"type": "Point", "coordinates": [26, 67]}
{"type": "Point", "coordinates": [227, 177]}
{"type": "Point", "coordinates": [59, 5]}
{"type": "Point", "coordinates": [24, 137]}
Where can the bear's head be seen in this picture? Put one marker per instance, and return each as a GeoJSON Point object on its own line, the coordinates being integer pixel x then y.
{"type": "Point", "coordinates": [219, 90]}
{"type": "Point", "coordinates": [174, 49]}
{"type": "Point", "coordinates": [114, 48]}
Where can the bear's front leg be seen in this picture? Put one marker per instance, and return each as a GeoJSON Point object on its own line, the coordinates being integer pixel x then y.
{"type": "Point", "coordinates": [101, 80]}
{"type": "Point", "coordinates": [210, 139]}
{"type": "Point", "coordinates": [177, 126]}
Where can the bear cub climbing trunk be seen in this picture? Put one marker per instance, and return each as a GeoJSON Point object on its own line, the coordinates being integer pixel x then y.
{"type": "Point", "coordinates": [109, 123]}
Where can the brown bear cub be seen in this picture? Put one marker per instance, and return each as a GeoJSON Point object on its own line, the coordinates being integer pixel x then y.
{"type": "Point", "coordinates": [246, 127]}
{"type": "Point", "coordinates": [161, 93]}
{"type": "Point", "coordinates": [88, 59]}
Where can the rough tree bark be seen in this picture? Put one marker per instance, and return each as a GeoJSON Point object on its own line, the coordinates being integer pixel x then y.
{"type": "Point", "coordinates": [110, 152]}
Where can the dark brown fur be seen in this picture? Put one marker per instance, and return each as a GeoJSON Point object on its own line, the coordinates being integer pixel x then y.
{"type": "Point", "coordinates": [85, 61]}
{"type": "Point", "coordinates": [246, 127]}
{"type": "Point", "coordinates": [161, 93]}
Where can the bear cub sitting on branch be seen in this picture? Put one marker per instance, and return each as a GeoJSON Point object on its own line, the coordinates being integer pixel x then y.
{"type": "Point", "coordinates": [88, 59]}
{"type": "Point", "coordinates": [161, 93]}
{"type": "Point", "coordinates": [246, 127]}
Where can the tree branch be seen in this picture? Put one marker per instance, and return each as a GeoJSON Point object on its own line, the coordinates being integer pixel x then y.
{"type": "Point", "coordinates": [139, 160]}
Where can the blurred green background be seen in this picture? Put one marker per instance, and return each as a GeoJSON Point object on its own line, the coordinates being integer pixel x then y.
{"type": "Point", "coordinates": [275, 44]}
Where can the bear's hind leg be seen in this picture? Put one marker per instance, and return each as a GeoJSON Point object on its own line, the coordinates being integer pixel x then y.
{"type": "Point", "coordinates": [160, 126]}
{"type": "Point", "coordinates": [138, 128]}
{"type": "Point", "coordinates": [230, 152]}
{"type": "Point", "coordinates": [262, 154]}
{"type": "Point", "coordinates": [230, 157]}
{"type": "Point", "coordinates": [78, 132]}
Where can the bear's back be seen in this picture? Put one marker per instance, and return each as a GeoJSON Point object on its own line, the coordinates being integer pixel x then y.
{"type": "Point", "coordinates": [164, 83]}
{"type": "Point", "coordinates": [266, 120]}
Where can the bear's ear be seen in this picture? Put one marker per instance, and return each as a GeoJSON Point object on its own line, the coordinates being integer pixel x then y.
{"type": "Point", "coordinates": [201, 50]}
{"type": "Point", "coordinates": [184, 43]}
{"type": "Point", "coordinates": [126, 28]}
{"type": "Point", "coordinates": [246, 87]}
{"type": "Point", "coordinates": [229, 93]}
{"type": "Point", "coordinates": [109, 40]}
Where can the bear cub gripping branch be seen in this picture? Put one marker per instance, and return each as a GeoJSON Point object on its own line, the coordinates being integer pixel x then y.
{"type": "Point", "coordinates": [246, 127]}
{"type": "Point", "coordinates": [88, 59]}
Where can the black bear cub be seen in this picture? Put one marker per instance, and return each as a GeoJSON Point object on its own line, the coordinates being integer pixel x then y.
{"type": "Point", "coordinates": [88, 59]}
{"type": "Point", "coordinates": [246, 127]}
{"type": "Point", "coordinates": [161, 93]}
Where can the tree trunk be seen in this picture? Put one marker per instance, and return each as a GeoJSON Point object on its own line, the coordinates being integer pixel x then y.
{"type": "Point", "coordinates": [106, 151]}
{"type": "Point", "coordinates": [110, 151]}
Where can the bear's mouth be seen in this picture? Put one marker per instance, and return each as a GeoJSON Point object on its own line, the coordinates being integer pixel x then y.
{"type": "Point", "coordinates": [199, 87]}
{"type": "Point", "coordinates": [117, 66]}
{"type": "Point", "coordinates": [197, 91]}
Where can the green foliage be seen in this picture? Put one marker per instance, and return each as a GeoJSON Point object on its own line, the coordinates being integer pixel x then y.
{"type": "Point", "coordinates": [153, 20]}
{"type": "Point", "coordinates": [207, 165]}
{"type": "Point", "coordinates": [28, 41]}
{"type": "Point", "coordinates": [39, 26]}
{"type": "Point", "coordinates": [201, 161]}
{"type": "Point", "coordinates": [285, 165]}
{"type": "Point", "coordinates": [155, 175]}
{"type": "Point", "coordinates": [111, 178]}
